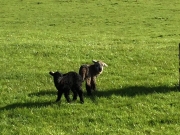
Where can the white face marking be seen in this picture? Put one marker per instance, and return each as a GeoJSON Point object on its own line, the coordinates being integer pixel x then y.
{"type": "Point", "coordinates": [94, 61]}
{"type": "Point", "coordinates": [101, 71]}
{"type": "Point", "coordinates": [105, 65]}
{"type": "Point", "coordinates": [99, 65]}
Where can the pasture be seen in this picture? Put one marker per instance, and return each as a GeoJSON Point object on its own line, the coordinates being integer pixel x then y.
{"type": "Point", "coordinates": [137, 92]}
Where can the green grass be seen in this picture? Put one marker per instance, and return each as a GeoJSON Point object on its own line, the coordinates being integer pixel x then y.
{"type": "Point", "coordinates": [137, 92]}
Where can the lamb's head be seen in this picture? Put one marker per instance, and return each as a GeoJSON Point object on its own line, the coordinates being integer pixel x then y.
{"type": "Point", "coordinates": [98, 66]}
{"type": "Point", "coordinates": [56, 75]}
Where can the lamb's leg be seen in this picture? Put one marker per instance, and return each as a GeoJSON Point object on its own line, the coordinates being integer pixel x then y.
{"type": "Point", "coordinates": [80, 93]}
{"type": "Point", "coordinates": [88, 86]}
{"type": "Point", "coordinates": [66, 94]}
{"type": "Point", "coordinates": [59, 95]}
{"type": "Point", "coordinates": [74, 94]}
{"type": "Point", "coordinates": [93, 83]}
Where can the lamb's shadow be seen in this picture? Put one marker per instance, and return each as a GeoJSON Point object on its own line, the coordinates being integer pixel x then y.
{"type": "Point", "coordinates": [43, 93]}
{"type": "Point", "coordinates": [136, 90]}
{"type": "Point", "coordinates": [36, 104]}
{"type": "Point", "coordinates": [26, 105]}
{"type": "Point", "coordinates": [130, 91]}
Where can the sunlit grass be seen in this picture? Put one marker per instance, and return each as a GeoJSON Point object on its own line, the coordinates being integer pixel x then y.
{"type": "Point", "coordinates": [137, 92]}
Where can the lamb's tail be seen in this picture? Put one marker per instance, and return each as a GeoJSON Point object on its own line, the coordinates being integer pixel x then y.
{"type": "Point", "coordinates": [83, 71]}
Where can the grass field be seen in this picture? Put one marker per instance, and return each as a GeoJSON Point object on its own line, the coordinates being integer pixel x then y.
{"type": "Point", "coordinates": [137, 93]}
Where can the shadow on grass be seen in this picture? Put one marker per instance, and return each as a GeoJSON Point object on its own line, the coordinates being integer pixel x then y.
{"type": "Point", "coordinates": [43, 93]}
{"type": "Point", "coordinates": [26, 105]}
{"type": "Point", "coordinates": [126, 91]}
{"type": "Point", "coordinates": [37, 104]}
{"type": "Point", "coordinates": [131, 91]}
{"type": "Point", "coordinates": [136, 90]}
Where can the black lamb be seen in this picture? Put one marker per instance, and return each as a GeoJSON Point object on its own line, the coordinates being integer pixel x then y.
{"type": "Point", "coordinates": [89, 74]}
{"type": "Point", "coordinates": [66, 82]}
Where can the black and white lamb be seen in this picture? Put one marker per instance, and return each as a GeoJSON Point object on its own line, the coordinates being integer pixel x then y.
{"type": "Point", "coordinates": [66, 82]}
{"type": "Point", "coordinates": [89, 74]}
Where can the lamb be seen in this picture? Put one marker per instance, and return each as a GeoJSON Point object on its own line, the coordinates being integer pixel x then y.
{"type": "Point", "coordinates": [66, 82]}
{"type": "Point", "coordinates": [89, 74]}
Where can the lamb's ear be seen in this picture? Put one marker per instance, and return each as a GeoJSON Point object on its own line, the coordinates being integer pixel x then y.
{"type": "Point", "coordinates": [51, 73]}
{"type": "Point", "coordinates": [105, 65]}
{"type": "Point", "coordinates": [94, 61]}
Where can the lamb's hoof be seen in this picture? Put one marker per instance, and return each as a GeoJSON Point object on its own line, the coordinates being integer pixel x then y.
{"type": "Point", "coordinates": [89, 94]}
{"type": "Point", "coordinates": [57, 100]}
{"type": "Point", "coordinates": [82, 102]}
